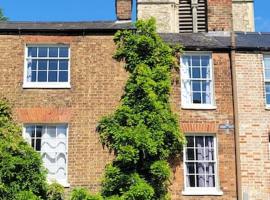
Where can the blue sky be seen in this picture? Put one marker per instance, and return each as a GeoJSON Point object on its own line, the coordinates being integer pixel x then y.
{"type": "Point", "coordinates": [89, 10]}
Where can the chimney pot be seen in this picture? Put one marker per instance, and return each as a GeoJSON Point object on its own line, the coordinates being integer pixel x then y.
{"type": "Point", "coordinates": [123, 9]}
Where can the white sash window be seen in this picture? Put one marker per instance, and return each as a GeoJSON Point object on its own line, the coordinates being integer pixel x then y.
{"type": "Point", "coordinates": [197, 81]}
{"type": "Point", "coordinates": [51, 142]}
{"type": "Point", "coordinates": [200, 168]}
{"type": "Point", "coordinates": [47, 66]}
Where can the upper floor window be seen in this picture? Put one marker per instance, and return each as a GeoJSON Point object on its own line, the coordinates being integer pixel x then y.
{"type": "Point", "coordinates": [197, 81]}
{"type": "Point", "coordinates": [47, 66]}
{"type": "Point", "coordinates": [51, 142]}
{"type": "Point", "coordinates": [267, 79]}
{"type": "Point", "coordinates": [192, 16]}
{"type": "Point", "coordinates": [200, 168]}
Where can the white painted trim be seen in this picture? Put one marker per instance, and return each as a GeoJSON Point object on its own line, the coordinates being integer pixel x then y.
{"type": "Point", "coordinates": [211, 106]}
{"type": "Point", "coordinates": [195, 191]}
{"type": "Point", "coordinates": [51, 85]}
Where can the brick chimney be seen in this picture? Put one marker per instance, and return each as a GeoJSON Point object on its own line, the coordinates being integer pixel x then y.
{"type": "Point", "coordinates": [123, 10]}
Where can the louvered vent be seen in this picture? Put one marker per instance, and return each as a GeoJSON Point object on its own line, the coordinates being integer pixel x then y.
{"type": "Point", "coordinates": [186, 17]}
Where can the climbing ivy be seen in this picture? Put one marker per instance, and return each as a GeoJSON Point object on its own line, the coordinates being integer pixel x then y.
{"type": "Point", "coordinates": [143, 132]}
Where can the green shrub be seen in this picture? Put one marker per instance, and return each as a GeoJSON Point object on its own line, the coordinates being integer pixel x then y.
{"type": "Point", "coordinates": [55, 191]}
{"type": "Point", "coordinates": [83, 194]}
{"type": "Point", "coordinates": [20, 165]}
{"type": "Point", "coordinates": [143, 132]}
{"type": "Point", "coordinates": [26, 195]}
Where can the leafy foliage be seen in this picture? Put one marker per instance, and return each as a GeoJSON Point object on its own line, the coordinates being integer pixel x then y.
{"type": "Point", "coordinates": [83, 194]}
{"type": "Point", "coordinates": [26, 195]}
{"type": "Point", "coordinates": [20, 165]}
{"type": "Point", "coordinates": [143, 132]}
{"type": "Point", "coordinates": [55, 191]}
{"type": "Point", "coordinates": [2, 17]}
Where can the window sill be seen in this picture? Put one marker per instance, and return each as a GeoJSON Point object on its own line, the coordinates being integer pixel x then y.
{"type": "Point", "coordinates": [46, 86]}
{"type": "Point", "coordinates": [201, 192]}
{"type": "Point", "coordinates": [199, 107]}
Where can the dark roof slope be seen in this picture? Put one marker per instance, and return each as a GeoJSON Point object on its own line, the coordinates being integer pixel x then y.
{"type": "Point", "coordinates": [198, 41]}
{"type": "Point", "coordinates": [253, 40]}
{"type": "Point", "coordinates": [63, 27]}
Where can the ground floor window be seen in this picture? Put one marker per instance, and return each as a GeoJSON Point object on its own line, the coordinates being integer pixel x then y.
{"type": "Point", "coordinates": [51, 142]}
{"type": "Point", "coordinates": [200, 162]}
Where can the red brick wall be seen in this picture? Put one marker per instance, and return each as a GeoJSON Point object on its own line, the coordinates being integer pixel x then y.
{"type": "Point", "coordinates": [97, 83]}
{"type": "Point", "coordinates": [219, 15]}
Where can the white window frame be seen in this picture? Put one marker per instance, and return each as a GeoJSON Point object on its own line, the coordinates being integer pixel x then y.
{"type": "Point", "coordinates": [64, 183]}
{"type": "Point", "coordinates": [265, 80]}
{"type": "Point", "coordinates": [27, 84]}
{"type": "Point", "coordinates": [191, 105]}
{"type": "Point", "coordinates": [202, 191]}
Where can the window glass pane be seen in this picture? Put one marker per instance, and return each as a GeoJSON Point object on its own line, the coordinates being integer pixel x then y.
{"type": "Point", "coordinates": [53, 52]}
{"type": "Point", "coordinates": [63, 52]}
{"type": "Point", "coordinates": [267, 73]}
{"type": "Point", "coordinates": [196, 86]}
{"type": "Point", "coordinates": [42, 65]}
{"type": "Point", "coordinates": [209, 141]}
{"type": "Point", "coordinates": [190, 141]}
{"type": "Point", "coordinates": [191, 181]}
{"type": "Point", "coordinates": [196, 72]}
{"type": "Point", "coordinates": [197, 97]}
{"type": "Point", "coordinates": [267, 63]}
{"type": "Point", "coordinates": [38, 131]}
{"type": "Point", "coordinates": [33, 64]}
{"type": "Point", "coordinates": [63, 65]}
{"type": "Point", "coordinates": [210, 181]}
{"type": "Point", "coordinates": [267, 87]}
{"type": "Point", "coordinates": [42, 52]}
{"type": "Point", "coordinates": [53, 64]}
{"type": "Point", "coordinates": [205, 72]}
{"type": "Point", "coordinates": [199, 140]}
{"type": "Point", "coordinates": [61, 131]}
{"type": "Point", "coordinates": [209, 154]}
{"type": "Point", "coordinates": [205, 60]}
{"type": "Point", "coordinates": [196, 61]}
{"type": "Point", "coordinates": [199, 153]}
{"type": "Point", "coordinates": [32, 52]}
{"type": "Point", "coordinates": [190, 168]}
{"type": "Point", "coordinates": [268, 98]}
{"type": "Point", "coordinates": [33, 76]}
{"type": "Point", "coordinates": [52, 76]}
{"type": "Point", "coordinates": [200, 180]}
{"type": "Point", "coordinates": [63, 76]}
{"type": "Point", "coordinates": [210, 168]}
{"type": "Point", "coordinates": [30, 131]}
{"type": "Point", "coordinates": [190, 154]}
{"type": "Point", "coordinates": [38, 144]}
{"type": "Point", "coordinates": [200, 168]}
{"type": "Point", "coordinates": [186, 60]}
{"type": "Point", "coordinates": [51, 131]}
{"type": "Point", "coordinates": [42, 76]}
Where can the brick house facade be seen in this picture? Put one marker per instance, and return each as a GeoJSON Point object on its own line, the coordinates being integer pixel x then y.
{"type": "Point", "coordinates": [61, 79]}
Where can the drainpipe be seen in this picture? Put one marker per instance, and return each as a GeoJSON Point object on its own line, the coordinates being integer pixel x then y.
{"type": "Point", "coordinates": [236, 117]}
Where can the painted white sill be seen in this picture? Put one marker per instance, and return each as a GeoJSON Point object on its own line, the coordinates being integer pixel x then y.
{"type": "Point", "coordinates": [47, 85]}
{"type": "Point", "coordinates": [202, 192]}
{"type": "Point", "coordinates": [267, 107]}
{"type": "Point", "coordinates": [199, 107]}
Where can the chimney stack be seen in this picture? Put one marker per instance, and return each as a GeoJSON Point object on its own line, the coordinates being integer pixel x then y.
{"type": "Point", "coordinates": [123, 10]}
